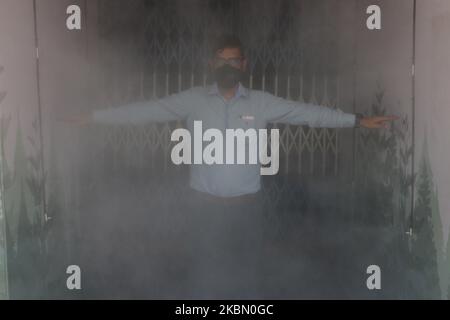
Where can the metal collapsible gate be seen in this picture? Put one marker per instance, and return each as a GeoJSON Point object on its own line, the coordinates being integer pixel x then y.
{"type": "Point", "coordinates": [166, 51]}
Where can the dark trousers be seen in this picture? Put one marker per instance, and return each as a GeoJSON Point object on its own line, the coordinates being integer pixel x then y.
{"type": "Point", "coordinates": [220, 246]}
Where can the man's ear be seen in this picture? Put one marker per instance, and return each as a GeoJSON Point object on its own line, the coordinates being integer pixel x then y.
{"type": "Point", "coordinates": [244, 64]}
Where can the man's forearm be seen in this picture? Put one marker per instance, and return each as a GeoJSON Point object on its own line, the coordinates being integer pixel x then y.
{"type": "Point", "coordinates": [291, 112]}
{"type": "Point", "coordinates": [136, 113]}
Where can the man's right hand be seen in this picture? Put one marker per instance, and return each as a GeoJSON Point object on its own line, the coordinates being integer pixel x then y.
{"type": "Point", "coordinates": [77, 120]}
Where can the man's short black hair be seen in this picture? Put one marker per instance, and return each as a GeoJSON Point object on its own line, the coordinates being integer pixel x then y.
{"type": "Point", "coordinates": [227, 41]}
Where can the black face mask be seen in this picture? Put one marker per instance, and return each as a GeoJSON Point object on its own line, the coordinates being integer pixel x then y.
{"type": "Point", "coordinates": [227, 76]}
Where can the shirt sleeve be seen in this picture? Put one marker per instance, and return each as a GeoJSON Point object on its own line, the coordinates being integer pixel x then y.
{"type": "Point", "coordinates": [285, 111]}
{"type": "Point", "coordinates": [173, 107]}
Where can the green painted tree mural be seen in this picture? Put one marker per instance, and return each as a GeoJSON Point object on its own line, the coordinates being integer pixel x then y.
{"type": "Point", "coordinates": [18, 194]}
{"type": "Point", "coordinates": [25, 233]}
{"type": "Point", "coordinates": [439, 242]}
{"type": "Point", "coordinates": [383, 181]}
{"type": "Point", "coordinates": [24, 220]}
{"type": "Point", "coordinates": [427, 242]}
{"type": "Point", "coordinates": [383, 194]}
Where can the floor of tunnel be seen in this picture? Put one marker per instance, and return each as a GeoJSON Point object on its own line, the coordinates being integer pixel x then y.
{"type": "Point", "coordinates": [127, 251]}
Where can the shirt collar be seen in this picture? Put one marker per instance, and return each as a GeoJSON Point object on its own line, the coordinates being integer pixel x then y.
{"type": "Point", "coordinates": [241, 91]}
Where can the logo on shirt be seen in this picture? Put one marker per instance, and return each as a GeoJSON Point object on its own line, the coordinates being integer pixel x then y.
{"type": "Point", "coordinates": [241, 147]}
{"type": "Point", "coordinates": [247, 118]}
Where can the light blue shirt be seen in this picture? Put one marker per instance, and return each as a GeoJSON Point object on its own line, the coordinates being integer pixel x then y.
{"type": "Point", "coordinates": [247, 109]}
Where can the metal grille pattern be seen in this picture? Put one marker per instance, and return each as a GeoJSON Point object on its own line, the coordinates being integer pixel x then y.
{"type": "Point", "coordinates": [168, 47]}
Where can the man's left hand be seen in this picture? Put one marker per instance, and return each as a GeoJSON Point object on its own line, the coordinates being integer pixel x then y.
{"type": "Point", "coordinates": [377, 122]}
